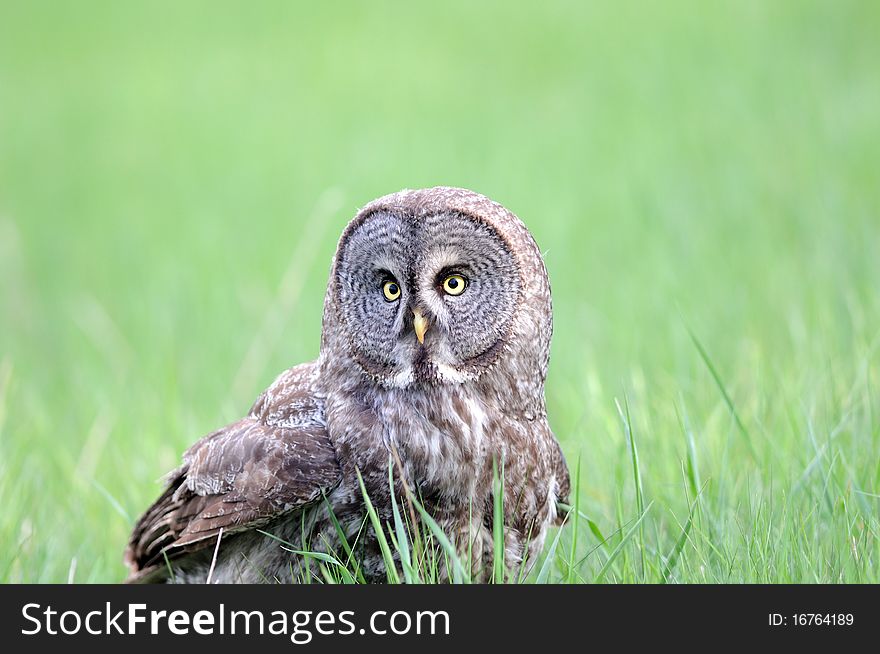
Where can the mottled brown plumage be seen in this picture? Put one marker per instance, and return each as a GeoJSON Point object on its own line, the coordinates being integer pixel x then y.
{"type": "Point", "coordinates": [448, 403]}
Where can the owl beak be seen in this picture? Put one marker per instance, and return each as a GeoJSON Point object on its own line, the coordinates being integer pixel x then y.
{"type": "Point", "coordinates": [420, 324]}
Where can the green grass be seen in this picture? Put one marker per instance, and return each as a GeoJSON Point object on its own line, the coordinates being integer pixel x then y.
{"type": "Point", "coordinates": [704, 179]}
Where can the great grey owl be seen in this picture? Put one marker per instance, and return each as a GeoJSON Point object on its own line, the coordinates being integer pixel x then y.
{"type": "Point", "coordinates": [434, 351]}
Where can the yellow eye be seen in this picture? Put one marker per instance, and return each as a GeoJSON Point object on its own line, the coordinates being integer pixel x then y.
{"type": "Point", "coordinates": [454, 285]}
{"type": "Point", "coordinates": [391, 290]}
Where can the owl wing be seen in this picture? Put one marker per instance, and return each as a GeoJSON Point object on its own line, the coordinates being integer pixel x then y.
{"type": "Point", "coordinates": [276, 460]}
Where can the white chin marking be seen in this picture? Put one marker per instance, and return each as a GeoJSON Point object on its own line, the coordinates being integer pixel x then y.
{"type": "Point", "coordinates": [450, 374]}
{"type": "Point", "coordinates": [402, 379]}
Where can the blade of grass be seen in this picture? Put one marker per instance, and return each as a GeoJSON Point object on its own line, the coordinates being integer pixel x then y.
{"type": "Point", "coordinates": [325, 573]}
{"type": "Point", "coordinates": [321, 557]}
{"type": "Point", "coordinates": [415, 531]}
{"type": "Point", "coordinates": [636, 473]}
{"type": "Point", "coordinates": [724, 394]}
{"type": "Point", "coordinates": [340, 533]}
{"type": "Point", "coordinates": [458, 573]}
{"type": "Point", "coordinates": [604, 543]}
{"type": "Point", "coordinates": [390, 568]}
{"type": "Point", "coordinates": [112, 500]}
{"type": "Point", "coordinates": [693, 472]}
{"type": "Point", "coordinates": [572, 553]}
{"type": "Point", "coordinates": [498, 524]}
{"type": "Point", "coordinates": [400, 537]}
{"type": "Point", "coordinates": [544, 572]}
{"type": "Point", "coordinates": [619, 548]}
{"type": "Point", "coordinates": [594, 528]}
{"type": "Point", "coordinates": [168, 565]}
{"type": "Point", "coordinates": [672, 559]}
{"type": "Point", "coordinates": [523, 572]}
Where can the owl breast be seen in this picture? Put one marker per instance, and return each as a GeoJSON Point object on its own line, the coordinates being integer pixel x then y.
{"type": "Point", "coordinates": [442, 442]}
{"type": "Point", "coordinates": [437, 435]}
{"type": "Point", "coordinates": [441, 436]}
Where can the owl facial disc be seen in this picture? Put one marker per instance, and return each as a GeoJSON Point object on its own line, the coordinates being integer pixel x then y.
{"type": "Point", "coordinates": [400, 275]}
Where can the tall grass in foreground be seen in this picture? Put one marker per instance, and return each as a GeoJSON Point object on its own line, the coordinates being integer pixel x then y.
{"type": "Point", "coordinates": [415, 549]}
{"type": "Point", "coordinates": [699, 549]}
{"type": "Point", "coordinates": [709, 528]}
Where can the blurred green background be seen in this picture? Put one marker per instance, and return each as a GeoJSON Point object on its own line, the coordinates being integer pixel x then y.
{"type": "Point", "coordinates": [174, 176]}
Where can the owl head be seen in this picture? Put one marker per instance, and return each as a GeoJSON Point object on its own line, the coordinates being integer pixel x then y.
{"type": "Point", "coordinates": [437, 286]}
